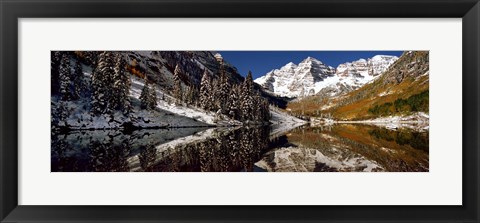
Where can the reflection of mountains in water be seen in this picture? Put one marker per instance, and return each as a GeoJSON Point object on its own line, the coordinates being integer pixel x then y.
{"type": "Point", "coordinates": [332, 148]}
{"type": "Point", "coordinates": [350, 148]}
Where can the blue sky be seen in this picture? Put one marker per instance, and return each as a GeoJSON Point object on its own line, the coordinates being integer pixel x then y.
{"type": "Point", "coordinates": [261, 62]}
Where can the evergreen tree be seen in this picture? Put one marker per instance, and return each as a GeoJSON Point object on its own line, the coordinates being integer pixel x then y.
{"type": "Point", "coordinates": [215, 95]}
{"type": "Point", "coordinates": [261, 109]}
{"type": "Point", "coordinates": [78, 81]}
{"type": "Point", "coordinates": [148, 96]}
{"type": "Point", "coordinates": [257, 107]}
{"type": "Point", "coordinates": [223, 92]}
{"type": "Point", "coordinates": [144, 95]}
{"type": "Point", "coordinates": [90, 57]}
{"type": "Point", "coordinates": [233, 106]}
{"type": "Point", "coordinates": [152, 103]}
{"type": "Point", "coordinates": [65, 79]}
{"type": "Point", "coordinates": [102, 83]}
{"type": "Point", "coordinates": [190, 95]}
{"type": "Point", "coordinates": [55, 57]}
{"type": "Point", "coordinates": [177, 88]}
{"type": "Point", "coordinates": [120, 99]}
{"type": "Point", "coordinates": [247, 100]}
{"type": "Point", "coordinates": [206, 91]}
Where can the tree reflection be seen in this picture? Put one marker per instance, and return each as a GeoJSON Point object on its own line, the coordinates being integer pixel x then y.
{"type": "Point", "coordinates": [227, 151]}
{"type": "Point", "coordinates": [110, 156]}
{"type": "Point", "coordinates": [147, 156]}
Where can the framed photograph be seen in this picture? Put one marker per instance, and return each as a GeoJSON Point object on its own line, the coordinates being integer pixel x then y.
{"type": "Point", "coordinates": [228, 111]}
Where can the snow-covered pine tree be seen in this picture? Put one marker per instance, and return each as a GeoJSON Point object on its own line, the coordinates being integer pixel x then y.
{"type": "Point", "coordinates": [148, 96]}
{"type": "Point", "coordinates": [223, 92]}
{"type": "Point", "coordinates": [215, 95]}
{"type": "Point", "coordinates": [189, 95]}
{"type": "Point", "coordinates": [261, 109]}
{"type": "Point", "coordinates": [79, 85]}
{"type": "Point", "coordinates": [145, 95]}
{"type": "Point", "coordinates": [65, 74]}
{"type": "Point", "coordinates": [177, 88]}
{"type": "Point", "coordinates": [206, 91]}
{"type": "Point", "coordinates": [120, 99]}
{"type": "Point", "coordinates": [90, 57]}
{"type": "Point", "coordinates": [60, 114]}
{"type": "Point", "coordinates": [233, 105]}
{"type": "Point", "coordinates": [152, 102]}
{"type": "Point", "coordinates": [55, 57]}
{"type": "Point", "coordinates": [102, 83]}
{"type": "Point", "coordinates": [247, 99]}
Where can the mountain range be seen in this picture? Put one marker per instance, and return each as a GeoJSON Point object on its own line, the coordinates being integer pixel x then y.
{"type": "Point", "coordinates": [402, 89]}
{"type": "Point", "coordinates": [312, 76]}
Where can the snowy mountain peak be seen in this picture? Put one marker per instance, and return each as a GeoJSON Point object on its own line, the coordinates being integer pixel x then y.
{"type": "Point", "coordinates": [289, 66]}
{"type": "Point", "coordinates": [312, 76]}
{"type": "Point", "coordinates": [310, 60]}
{"type": "Point", "coordinates": [383, 57]}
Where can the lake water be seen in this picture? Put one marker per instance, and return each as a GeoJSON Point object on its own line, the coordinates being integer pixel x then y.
{"type": "Point", "coordinates": [345, 147]}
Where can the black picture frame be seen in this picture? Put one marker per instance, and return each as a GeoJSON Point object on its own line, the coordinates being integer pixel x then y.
{"type": "Point", "coordinates": [11, 11]}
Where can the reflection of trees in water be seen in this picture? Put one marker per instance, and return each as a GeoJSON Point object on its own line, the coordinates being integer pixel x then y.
{"type": "Point", "coordinates": [417, 140]}
{"type": "Point", "coordinates": [77, 152]}
{"type": "Point", "coordinates": [110, 156]}
{"type": "Point", "coordinates": [395, 160]}
{"type": "Point", "coordinates": [109, 150]}
{"type": "Point", "coordinates": [60, 161]}
{"type": "Point", "coordinates": [236, 150]}
{"type": "Point", "coordinates": [147, 156]}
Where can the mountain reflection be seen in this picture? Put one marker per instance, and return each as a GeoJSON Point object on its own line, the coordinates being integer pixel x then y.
{"type": "Point", "coordinates": [352, 148]}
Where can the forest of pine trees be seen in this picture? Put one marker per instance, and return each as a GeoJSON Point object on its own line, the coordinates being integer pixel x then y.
{"type": "Point", "coordinates": [106, 93]}
{"type": "Point", "coordinates": [110, 84]}
{"type": "Point", "coordinates": [108, 90]}
{"type": "Point", "coordinates": [240, 102]}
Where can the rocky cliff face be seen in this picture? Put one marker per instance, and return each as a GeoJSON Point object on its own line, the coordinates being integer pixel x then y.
{"type": "Point", "coordinates": [411, 65]}
{"type": "Point", "coordinates": [160, 65]}
{"type": "Point", "coordinates": [366, 69]}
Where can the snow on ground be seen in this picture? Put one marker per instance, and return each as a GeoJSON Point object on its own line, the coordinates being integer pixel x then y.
{"type": "Point", "coordinates": [80, 118]}
{"type": "Point", "coordinates": [190, 112]}
{"type": "Point", "coordinates": [279, 117]}
{"type": "Point", "coordinates": [321, 121]}
{"type": "Point", "coordinates": [283, 122]}
{"type": "Point", "coordinates": [383, 94]}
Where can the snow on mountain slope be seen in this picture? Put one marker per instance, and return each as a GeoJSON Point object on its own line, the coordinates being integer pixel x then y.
{"type": "Point", "coordinates": [311, 76]}
{"type": "Point", "coordinates": [294, 80]}
{"type": "Point", "coordinates": [195, 113]}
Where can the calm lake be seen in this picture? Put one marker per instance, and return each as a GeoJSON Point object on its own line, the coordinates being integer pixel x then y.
{"type": "Point", "coordinates": [342, 147]}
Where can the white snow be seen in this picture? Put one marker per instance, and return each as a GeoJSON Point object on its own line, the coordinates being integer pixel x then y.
{"type": "Point", "coordinates": [383, 94]}
{"type": "Point", "coordinates": [311, 76]}
{"type": "Point", "coordinates": [190, 112]}
{"type": "Point", "coordinates": [283, 122]}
